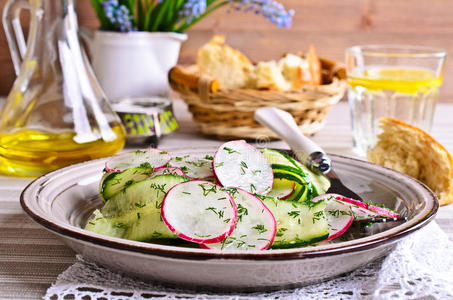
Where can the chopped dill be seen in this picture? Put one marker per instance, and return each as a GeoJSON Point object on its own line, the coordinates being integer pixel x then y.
{"type": "Point", "coordinates": [230, 151]}
{"type": "Point", "coordinates": [139, 205]}
{"type": "Point", "coordinates": [206, 191]}
{"type": "Point", "coordinates": [294, 213]}
{"type": "Point", "coordinates": [260, 228]}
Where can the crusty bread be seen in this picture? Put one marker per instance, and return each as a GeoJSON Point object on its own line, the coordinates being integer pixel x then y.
{"type": "Point", "coordinates": [295, 70]}
{"type": "Point", "coordinates": [233, 70]}
{"type": "Point", "coordinates": [314, 65]}
{"type": "Point", "coordinates": [229, 66]}
{"type": "Point", "coordinates": [267, 75]}
{"type": "Point", "coordinates": [410, 150]}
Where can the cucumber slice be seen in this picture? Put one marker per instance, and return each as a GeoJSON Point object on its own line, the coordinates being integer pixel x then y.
{"type": "Point", "coordinates": [320, 183]}
{"type": "Point", "coordinates": [298, 224]}
{"type": "Point", "coordinates": [285, 167]}
{"type": "Point", "coordinates": [199, 211]}
{"type": "Point", "coordinates": [113, 182]}
{"type": "Point", "coordinates": [139, 194]}
{"type": "Point", "coordinates": [240, 165]}
{"type": "Point", "coordinates": [155, 157]}
{"type": "Point", "coordinates": [141, 224]}
{"type": "Point", "coordinates": [255, 227]}
{"type": "Point", "coordinates": [303, 190]}
{"type": "Point", "coordinates": [277, 157]}
{"type": "Point", "coordinates": [99, 224]}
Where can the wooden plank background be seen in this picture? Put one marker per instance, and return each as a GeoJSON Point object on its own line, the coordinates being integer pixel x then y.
{"type": "Point", "coordinates": [331, 25]}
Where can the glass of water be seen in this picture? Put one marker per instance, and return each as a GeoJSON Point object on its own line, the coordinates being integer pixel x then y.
{"type": "Point", "coordinates": [391, 81]}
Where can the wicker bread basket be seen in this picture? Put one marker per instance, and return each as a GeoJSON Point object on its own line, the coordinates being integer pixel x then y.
{"type": "Point", "coordinates": [228, 114]}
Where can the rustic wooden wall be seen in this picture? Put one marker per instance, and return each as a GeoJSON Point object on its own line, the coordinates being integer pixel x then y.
{"type": "Point", "coordinates": [331, 25]}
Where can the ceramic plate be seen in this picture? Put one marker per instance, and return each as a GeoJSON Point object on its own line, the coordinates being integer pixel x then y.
{"type": "Point", "coordinates": [62, 200]}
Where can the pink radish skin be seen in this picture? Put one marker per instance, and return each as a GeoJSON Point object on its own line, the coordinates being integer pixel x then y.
{"type": "Point", "coordinates": [352, 201]}
{"type": "Point", "coordinates": [358, 211]}
{"type": "Point", "coordinates": [256, 210]}
{"type": "Point", "coordinates": [186, 236]}
{"type": "Point", "coordinates": [341, 231]}
{"type": "Point", "coordinates": [168, 170]}
{"type": "Point", "coordinates": [287, 196]}
{"type": "Point", "coordinates": [262, 186]}
{"type": "Point", "coordinates": [383, 212]}
{"type": "Point", "coordinates": [127, 160]}
{"type": "Point", "coordinates": [378, 210]}
{"type": "Point", "coordinates": [341, 198]}
{"type": "Point", "coordinates": [370, 210]}
{"type": "Point", "coordinates": [339, 216]}
{"type": "Point", "coordinates": [279, 194]}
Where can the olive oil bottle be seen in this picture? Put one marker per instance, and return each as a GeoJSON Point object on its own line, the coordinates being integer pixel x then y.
{"type": "Point", "coordinates": [56, 113]}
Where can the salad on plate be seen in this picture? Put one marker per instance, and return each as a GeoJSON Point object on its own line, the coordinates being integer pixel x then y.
{"type": "Point", "coordinates": [238, 198]}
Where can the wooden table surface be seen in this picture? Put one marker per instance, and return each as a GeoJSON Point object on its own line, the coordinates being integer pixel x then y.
{"type": "Point", "coordinates": [31, 257]}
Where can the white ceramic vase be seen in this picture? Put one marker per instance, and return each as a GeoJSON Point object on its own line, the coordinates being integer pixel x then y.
{"type": "Point", "coordinates": [133, 64]}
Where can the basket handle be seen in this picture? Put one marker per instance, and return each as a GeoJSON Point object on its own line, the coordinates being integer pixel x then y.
{"type": "Point", "coordinates": [202, 85]}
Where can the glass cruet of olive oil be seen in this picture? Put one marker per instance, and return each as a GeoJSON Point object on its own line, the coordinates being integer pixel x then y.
{"type": "Point", "coordinates": [56, 113]}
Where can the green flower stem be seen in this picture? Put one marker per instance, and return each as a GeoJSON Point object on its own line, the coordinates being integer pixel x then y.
{"type": "Point", "coordinates": [208, 11]}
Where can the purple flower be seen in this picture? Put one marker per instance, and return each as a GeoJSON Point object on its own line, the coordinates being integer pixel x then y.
{"type": "Point", "coordinates": [270, 9]}
{"type": "Point", "coordinates": [119, 15]}
{"type": "Point", "coordinates": [192, 9]}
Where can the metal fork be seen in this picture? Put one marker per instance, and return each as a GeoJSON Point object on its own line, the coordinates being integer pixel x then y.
{"type": "Point", "coordinates": [309, 153]}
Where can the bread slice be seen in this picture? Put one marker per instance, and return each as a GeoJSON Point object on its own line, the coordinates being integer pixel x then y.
{"type": "Point", "coordinates": [267, 75]}
{"type": "Point", "coordinates": [295, 70]}
{"type": "Point", "coordinates": [412, 151]}
{"type": "Point", "coordinates": [315, 67]}
{"type": "Point", "coordinates": [229, 66]}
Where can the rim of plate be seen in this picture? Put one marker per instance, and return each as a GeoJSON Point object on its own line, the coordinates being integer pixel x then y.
{"type": "Point", "coordinates": [389, 236]}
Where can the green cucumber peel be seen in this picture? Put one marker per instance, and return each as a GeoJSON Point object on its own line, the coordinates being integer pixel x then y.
{"type": "Point", "coordinates": [300, 243]}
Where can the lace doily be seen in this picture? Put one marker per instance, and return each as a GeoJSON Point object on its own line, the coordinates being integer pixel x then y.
{"type": "Point", "coordinates": [421, 266]}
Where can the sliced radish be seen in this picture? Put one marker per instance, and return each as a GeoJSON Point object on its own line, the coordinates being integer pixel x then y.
{"type": "Point", "coordinates": [357, 207]}
{"type": "Point", "coordinates": [168, 170]}
{"type": "Point", "coordinates": [282, 188]}
{"type": "Point", "coordinates": [339, 216]}
{"type": "Point", "coordinates": [255, 227]}
{"type": "Point", "coordinates": [371, 208]}
{"type": "Point", "coordinates": [194, 166]}
{"type": "Point", "coordinates": [199, 211]}
{"type": "Point", "coordinates": [155, 157]}
{"type": "Point", "coordinates": [240, 165]}
{"type": "Point", "coordinates": [339, 213]}
{"type": "Point", "coordinates": [361, 210]}
{"type": "Point", "coordinates": [383, 211]}
{"type": "Point", "coordinates": [352, 201]}
{"type": "Point", "coordinates": [361, 213]}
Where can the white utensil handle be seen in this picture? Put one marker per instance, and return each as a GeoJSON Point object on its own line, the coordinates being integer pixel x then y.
{"type": "Point", "coordinates": [282, 123]}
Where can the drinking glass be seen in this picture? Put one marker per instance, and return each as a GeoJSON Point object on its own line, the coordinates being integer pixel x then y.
{"type": "Point", "coordinates": [391, 81]}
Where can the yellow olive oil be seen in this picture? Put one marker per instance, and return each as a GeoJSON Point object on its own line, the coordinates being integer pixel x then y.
{"type": "Point", "coordinates": [32, 152]}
